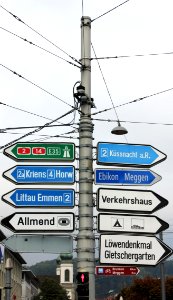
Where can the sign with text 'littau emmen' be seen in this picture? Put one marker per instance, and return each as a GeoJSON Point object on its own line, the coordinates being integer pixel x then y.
{"type": "Point", "coordinates": [132, 250]}
{"type": "Point", "coordinates": [128, 154]}
{"type": "Point", "coordinates": [127, 200]}
{"type": "Point", "coordinates": [40, 198]}
{"type": "Point", "coordinates": [130, 223]}
{"type": "Point", "coordinates": [41, 151]}
{"type": "Point", "coordinates": [41, 174]}
{"type": "Point", "coordinates": [126, 177]}
{"type": "Point", "coordinates": [39, 222]}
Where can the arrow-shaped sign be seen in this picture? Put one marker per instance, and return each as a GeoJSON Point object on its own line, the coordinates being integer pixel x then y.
{"type": "Point", "coordinates": [132, 250]}
{"type": "Point", "coordinates": [127, 200]}
{"type": "Point", "coordinates": [40, 198]}
{"type": "Point", "coordinates": [29, 243]}
{"type": "Point", "coordinates": [116, 270]}
{"type": "Point", "coordinates": [41, 151]}
{"type": "Point", "coordinates": [128, 154]}
{"type": "Point", "coordinates": [126, 177]}
{"type": "Point", "coordinates": [39, 222]}
{"type": "Point", "coordinates": [130, 223]}
{"type": "Point", "coordinates": [40, 174]}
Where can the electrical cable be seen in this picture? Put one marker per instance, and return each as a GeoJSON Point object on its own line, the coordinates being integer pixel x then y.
{"type": "Point", "coordinates": [110, 10]}
{"type": "Point", "coordinates": [20, 76]}
{"type": "Point", "coordinates": [37, 129]}
{"type": "Point", "coordinates": [134, 122]}
{"type": "Point", "coordinates": [18, 19]}
{"type": "Point", "coordinates": [133, 101]}
{"type": "Point", "coordinates": [31, 43]}
{"type": "Point", "coordinates": [113, 106]}
{"type": "Point", "coordinates": [131, 56]}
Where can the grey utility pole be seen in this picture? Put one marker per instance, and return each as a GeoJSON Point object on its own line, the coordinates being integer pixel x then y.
{"type": "Point", "coordinates": [8, 286]}
{"type": "Point", "coordinates": [85, 237]}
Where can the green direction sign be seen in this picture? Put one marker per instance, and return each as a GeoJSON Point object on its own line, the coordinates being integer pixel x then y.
{"type": "Point", "coordinates": [41, 151]}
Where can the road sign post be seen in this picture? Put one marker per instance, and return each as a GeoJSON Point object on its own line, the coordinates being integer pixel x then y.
{"type": "Point", "coordinates": [39, 222]}
{"type": "Point", "coordinates": [121, 200]}
{"type": "Point", "coordinates": [41, 174]}
{"type": "Point", "coordinates": [116, 270]}
{"type": "Point", "coordinates": [130, 223]}
{"type": "Point", "coordinates": [40, 198]}
{"type": "Point", "coordinates": [125, 177]}
{"type": "Point", "coordinates": [132, 250]}
{"type": "Point", "coordinates": [128, 154]}
{"type": "Point", "coordinates": [28, 243]}
{"type": "Point", "coordinates": [41, 151]}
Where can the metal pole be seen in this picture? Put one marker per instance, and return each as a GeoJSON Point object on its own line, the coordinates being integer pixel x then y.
{"type": "Point", "coordinates": [85, 237]}
{"type": "Point", "coordinates": [162, 274]}
{"type": "Point", "coordinates": [8, 286]}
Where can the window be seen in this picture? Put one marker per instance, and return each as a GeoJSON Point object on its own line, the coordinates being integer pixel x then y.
{"type": "Point", "coordinates": [67, 275]}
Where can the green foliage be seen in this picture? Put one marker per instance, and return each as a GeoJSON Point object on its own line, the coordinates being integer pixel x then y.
{"type": "Point", "coordinates": [148, 288]}
{"type": "Point", "coordinates": [51, 290]}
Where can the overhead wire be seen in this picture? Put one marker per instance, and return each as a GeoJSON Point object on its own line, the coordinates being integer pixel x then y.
{"type": "Point", "coordinates": [33, 44]}
{"type": "Point", "coordinates": [20, 20]}
{"type": "Point", "coordinates": [113, 106]}
{"type": "Point", "coordinates": [131, 56]}
{"type": "Point", "coordinates": [109, 11]}
{"type": "Point", "coordinates": [133, 122]}
{"type": "Point", "coordinates": [36, 85]}
{"type": "Point", "coordinates": [37, 129]}
{"type": "Point", "coordinates": [133, 101]}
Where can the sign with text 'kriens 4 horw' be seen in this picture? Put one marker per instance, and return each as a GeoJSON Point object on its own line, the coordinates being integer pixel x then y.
{"type": "Point", "coordinates": [132, 250]}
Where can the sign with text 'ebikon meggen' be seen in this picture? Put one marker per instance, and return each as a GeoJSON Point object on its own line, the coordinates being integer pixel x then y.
{"type": "Point", "coordinates": [128, 154]}
{"type": "Point", "coordinates": [41, 151]}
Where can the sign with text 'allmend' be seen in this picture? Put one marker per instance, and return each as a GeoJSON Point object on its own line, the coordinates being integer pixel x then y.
{"type": "Point", "coordinates": [132, 250]}
{"type": "Point", "coordinates": [39, 222]}
{"type": "Point", "coordinates": [41, 151]}
{"type": "Point", "coordinates": [126, 177]}
{"type": "Point", "coordinates": [40, 198]}
{"type": "Point", "coordinates": [128, 154]}
{"type": "Point", "coordinates": [40, 174]}
{"type": "Point", "coordinates": [127, 200]}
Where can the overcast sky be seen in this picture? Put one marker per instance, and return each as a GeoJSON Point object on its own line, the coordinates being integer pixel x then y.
{"type": "Point", "coordinates": [138, 34]}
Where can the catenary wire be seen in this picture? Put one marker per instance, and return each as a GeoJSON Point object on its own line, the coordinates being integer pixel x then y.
{"type": "Point", "coordinates": [20, 76]}
{"type": "Point", "coordinates": [37, 129]}
{"type": "Point", "coordinates": [135, 100]}
{"type": "Point", "coordinates": [31, 43]}
{"type": "Point", "coordinates": [31, 113]}
{"type": "Point", "coordinates": [109, 11]}
{"type": "Point", "coordinates": [113, 106]}
{"type": "Point", "coordinates": [133, 122]}
{"type": "Point", "coordinates": [20, 20]}
{"type": "Point", "coordinates": [131, 56]}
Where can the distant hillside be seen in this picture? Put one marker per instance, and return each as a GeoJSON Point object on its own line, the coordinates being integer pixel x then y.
{"type": "Point", "coordinates": [105, 283]}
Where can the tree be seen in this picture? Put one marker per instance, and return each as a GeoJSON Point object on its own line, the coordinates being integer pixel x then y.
{"type": "Point", "coordinates": [148, 288]}
{"type": "Point", "coordinates": [51, 290]}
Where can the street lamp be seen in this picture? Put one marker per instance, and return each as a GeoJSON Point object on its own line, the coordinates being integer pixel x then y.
{"type": "Point", "coordinates": [119, 130]}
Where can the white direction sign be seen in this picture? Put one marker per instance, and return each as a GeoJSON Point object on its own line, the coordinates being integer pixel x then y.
{"type": "Point", "coordinates": [132, 250]}
{"type": "Point", "coordinates": [39, 222]}
{"type": "Point", "coordinates": [135, 201]}
{"type": "Point", "coordinates": [130, 223]}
